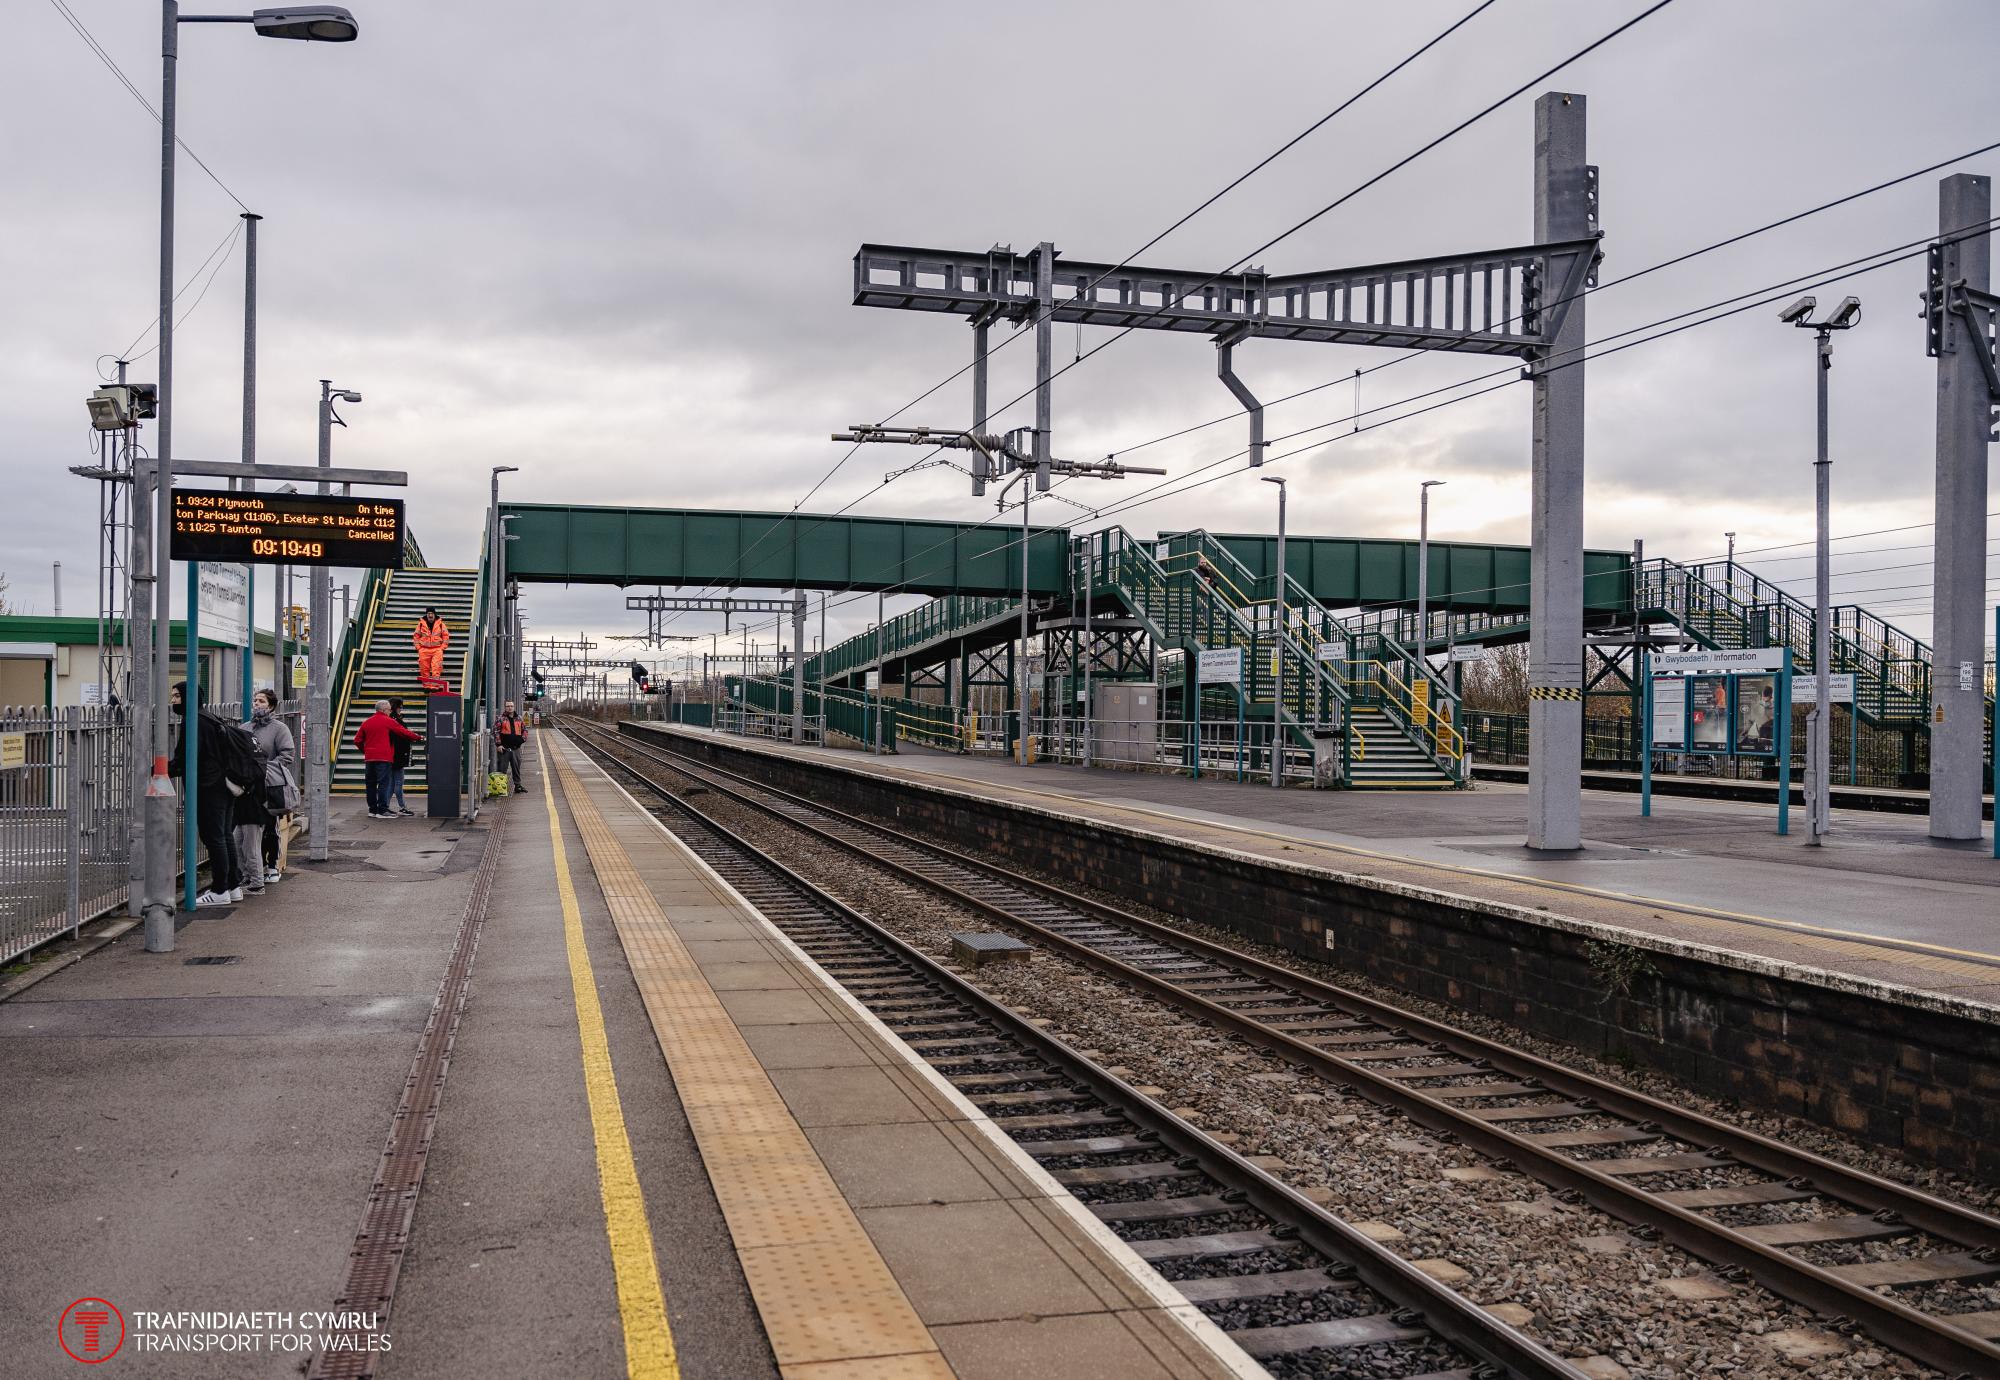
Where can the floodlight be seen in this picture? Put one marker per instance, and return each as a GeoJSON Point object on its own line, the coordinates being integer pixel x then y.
{"type": "Point", "coordinates": [1797, 312]}
{"type": "Point", "coordinates": [313, 23]}
{"type": "Point", "coordinates": [110, 408]}
{"type": "Point", "coordinates": [1846, 314]}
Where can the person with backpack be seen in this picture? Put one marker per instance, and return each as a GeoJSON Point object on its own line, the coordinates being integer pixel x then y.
{"type": "Point", "coordinates": [400, 766]}
{"type": "Point", "coordinates": [226, 767]}
{"type": "Point", "coordinates": [280, 752]}
{"type": "Point", "coordinates": [377, 738]}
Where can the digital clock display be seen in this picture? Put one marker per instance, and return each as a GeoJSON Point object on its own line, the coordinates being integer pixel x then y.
{"type": "Point", "coordinates": [293, 529]}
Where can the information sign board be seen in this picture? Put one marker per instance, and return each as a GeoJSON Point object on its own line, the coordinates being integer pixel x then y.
{"type": "Point", "coordinates": [13, 751]}
{"type": "Point", "coordinates": [1840, 688]}
{"type": "Point", "coordinates": [1333, 651]}
{"type": "Point", "coordinates": [1466, 652]}
{"type": "Point", "coordinates": [1670, 712]}
{"type": "Point", "coordinates": [298, 529]}
{"type": "Point", "coordinates": [225, 602]}
{"type": "Point", "coordinates": [1221, 666]}
{"type": "Point", "coordinates": [1729, 662]}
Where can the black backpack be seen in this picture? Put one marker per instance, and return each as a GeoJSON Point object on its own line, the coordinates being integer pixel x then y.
{"type": "Point", "coordinates": [242, 763]}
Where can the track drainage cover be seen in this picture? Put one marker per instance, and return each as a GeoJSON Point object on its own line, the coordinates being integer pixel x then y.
{"type": "Point", "coordinates": [212, 960]}
{"type": "Point", "coordinates": [976, 949]}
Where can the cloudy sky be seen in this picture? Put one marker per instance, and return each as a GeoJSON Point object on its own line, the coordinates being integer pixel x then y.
{"type": "Point", "coordinates": [611, 244]}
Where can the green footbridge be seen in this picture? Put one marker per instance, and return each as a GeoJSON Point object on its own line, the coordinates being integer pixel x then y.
{"type": "Point", "coordinates": [1333, 676]}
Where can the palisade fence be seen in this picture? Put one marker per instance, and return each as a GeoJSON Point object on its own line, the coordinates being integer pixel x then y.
{"type": "Point", "coordinates": [65, 818]}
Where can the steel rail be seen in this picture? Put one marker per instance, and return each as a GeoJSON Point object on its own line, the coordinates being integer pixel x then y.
{"type": "Point", "coordinates": [1929, 1338]}
{"type": "Point", "coordinates": [1446, 1313]}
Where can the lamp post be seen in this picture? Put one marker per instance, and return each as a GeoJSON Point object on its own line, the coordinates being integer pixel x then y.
{"type": "Point", "coordinates": [1278, 645]}
{"type": "Point", "coordinates": [496, 553]}
{"type": "Point", "coordinates": [1819, 723]}
{"type": "Point", "coordinates": [321, 23]}
{"type": "Point", "coordinates": [1424, 566]}
{"type": "Point", "coordinates": [319, 665]}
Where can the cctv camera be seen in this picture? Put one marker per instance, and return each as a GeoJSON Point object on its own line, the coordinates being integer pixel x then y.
{"type": "Point", "coordinates": [1798, 311]}
{"type": "Point", "coordinates": [1846, 314]}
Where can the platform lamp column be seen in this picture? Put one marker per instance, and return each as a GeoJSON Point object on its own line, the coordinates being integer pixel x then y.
{"type": "Point", "coordinates": [1819, 722]}
{"type": "Point", "coordinates": [250, 220]}
{"type": "Point", "coordinates": [319, 665]}
{"type": "Point", "coordinates": [1565, 209]}
{"type": "Point", "coordinates": [496, 554]}
{"type": "Point", "coordinates": [321, 23]}
{"type": "Point", "coordinates": [1424, 568]}
{"type": "Point", "coordinates": [1278, 646]}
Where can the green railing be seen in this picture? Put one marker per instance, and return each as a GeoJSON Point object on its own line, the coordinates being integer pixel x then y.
{"type": "Point", "coordinates": [850, 713]}
{"type": "Point", "coordinates": [945, 616]}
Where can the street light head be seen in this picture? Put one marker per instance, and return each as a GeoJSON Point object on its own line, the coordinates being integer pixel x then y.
{"type": "Point", "coordinates": [506, 469]}
{"type": "Point", "coordinates": [1797, 312]}
{"type": "Point", "coordinates": [312, 23]}
{"type": "Point", "coordinates": [1848, 313]}
{"type": "Point", "coordinates": [1277, 479]}
{"type": "Point", "coordinates": [1434, 483]}
{"type": "Point", "coordinates": [348, 395]}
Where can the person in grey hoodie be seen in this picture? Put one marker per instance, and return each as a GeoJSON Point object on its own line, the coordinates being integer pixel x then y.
{"type": "Point", "coordinates": [280, 752]}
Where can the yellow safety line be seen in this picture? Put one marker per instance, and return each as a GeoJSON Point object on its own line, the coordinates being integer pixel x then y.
{"type": "Point", "coordinates": [642, 1304]}
{"type": "Point", "coordinates": [1892, 943]}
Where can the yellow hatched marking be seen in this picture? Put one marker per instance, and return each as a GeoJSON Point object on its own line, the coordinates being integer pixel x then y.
{"type": "Point", "coordinates": [829, 1303]}
{"type": "Point", "coordinates": [642, 1305]}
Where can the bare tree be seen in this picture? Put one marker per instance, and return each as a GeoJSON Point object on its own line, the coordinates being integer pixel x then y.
{"type": "Point", "coordinates": [1498, 682]}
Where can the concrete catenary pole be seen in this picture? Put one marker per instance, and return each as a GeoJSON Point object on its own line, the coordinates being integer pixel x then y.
{"type": "Point", "coordinates": [1958, 595]}
{"type": "Point", "coordinates": [1563, 211]}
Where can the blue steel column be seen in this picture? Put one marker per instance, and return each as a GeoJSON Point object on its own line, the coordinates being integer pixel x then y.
{"type": "Point", "coordinates": [1555, 643]}
{"type": "Point", "coordinates": [1964, 419]}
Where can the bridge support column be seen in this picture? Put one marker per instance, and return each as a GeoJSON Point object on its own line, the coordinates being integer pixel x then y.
{"type": "Point", "coordinates": [1563, 211]}
{"type": "Point", "coordinates": [799, 667]}
{"type": "Point", "coordinates": [1964, 422]}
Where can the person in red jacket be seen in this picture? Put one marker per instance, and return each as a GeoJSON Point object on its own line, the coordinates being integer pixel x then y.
{"type": "Point", "coordinates": [377, 740]}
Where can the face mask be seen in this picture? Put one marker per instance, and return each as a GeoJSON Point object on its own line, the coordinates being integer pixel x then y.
{"type": "Point", "coordinates": [260, 714]}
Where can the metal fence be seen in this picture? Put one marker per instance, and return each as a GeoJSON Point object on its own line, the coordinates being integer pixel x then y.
{"type": "Point", "coordinates": [65, 820]}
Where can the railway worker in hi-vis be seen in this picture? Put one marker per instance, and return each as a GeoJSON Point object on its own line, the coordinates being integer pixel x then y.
{"type": "Point", "coordinates": [432, 636]}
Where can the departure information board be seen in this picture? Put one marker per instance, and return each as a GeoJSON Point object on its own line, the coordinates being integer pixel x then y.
{"type": "Point", "coordinates": [292, 529]}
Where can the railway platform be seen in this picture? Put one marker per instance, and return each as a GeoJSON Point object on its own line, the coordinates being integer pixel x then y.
{"type": "Point", "coordinates": [662, 1141]}
{"type": "Point", "coordinates": [1879, 902]}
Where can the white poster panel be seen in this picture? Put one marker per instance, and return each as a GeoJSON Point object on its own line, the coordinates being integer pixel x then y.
{"type": "Point", "coordinates": [1805, 689]}
{"type": "Point", "coordinates": [1221, 666]}
{"type": "Point", "coordinates": [1670, 713]}
{"type": "Point", "coordinates": [225, 602]}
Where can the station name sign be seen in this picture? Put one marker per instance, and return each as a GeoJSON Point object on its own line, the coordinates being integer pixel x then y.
{"type": "Point", "coordinates": [1720, 663]}
{"type": "Point", "coordinates": [292, 529]}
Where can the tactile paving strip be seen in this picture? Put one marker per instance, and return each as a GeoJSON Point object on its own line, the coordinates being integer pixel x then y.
{"type": "Point", "coordinates": [829, 1303]}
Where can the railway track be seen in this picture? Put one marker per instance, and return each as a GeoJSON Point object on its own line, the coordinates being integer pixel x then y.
{"type": "Point", "coordinates": [1854, 1247]}
{"type": "Point", "coordinates": [1293, 1285]}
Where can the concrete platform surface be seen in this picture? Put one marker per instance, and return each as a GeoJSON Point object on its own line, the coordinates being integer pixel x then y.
{"type": "Point", "coordinates": [1880, 901]}
{"type": "Point", "coordinates": [884, 1223]}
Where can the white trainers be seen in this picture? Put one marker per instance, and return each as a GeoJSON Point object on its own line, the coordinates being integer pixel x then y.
{"type": "Point", "coordinates": [210, 898]}
{"type": "Point", "coordinates": [236, 894]}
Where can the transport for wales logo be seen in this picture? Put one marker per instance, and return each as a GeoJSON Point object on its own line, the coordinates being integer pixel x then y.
{"type": "Point", "coordinates": [91, 1331]}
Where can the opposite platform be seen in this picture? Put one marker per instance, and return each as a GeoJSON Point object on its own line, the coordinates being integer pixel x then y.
{"type": "Point", "coordinates": [884, 1226]}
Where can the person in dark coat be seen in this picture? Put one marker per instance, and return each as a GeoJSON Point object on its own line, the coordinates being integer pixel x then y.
{"type": "Point", "coordinates": [400, 766]}
{"type": "Point", "coordinates": [214, 804]}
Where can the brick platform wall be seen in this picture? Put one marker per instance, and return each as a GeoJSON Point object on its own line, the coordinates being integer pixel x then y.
{"type": "Point", "coordinates": [1897, 1069]}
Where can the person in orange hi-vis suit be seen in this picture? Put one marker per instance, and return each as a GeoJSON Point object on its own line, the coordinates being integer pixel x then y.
{"type": "Point", "coordinates": [432, 636]}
